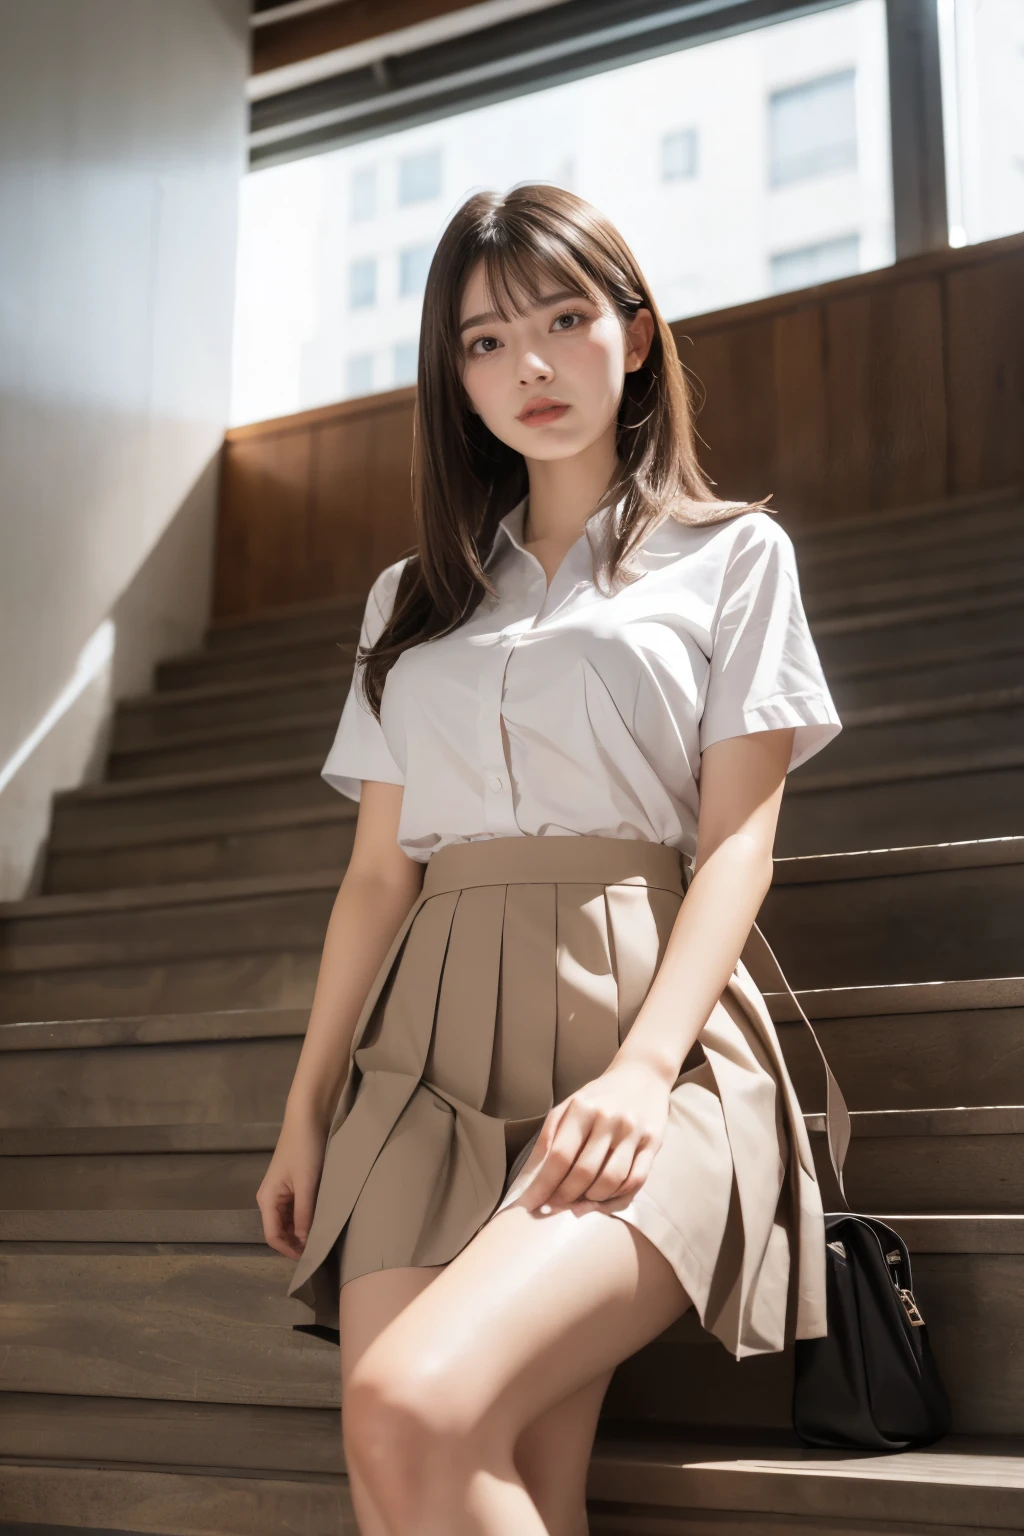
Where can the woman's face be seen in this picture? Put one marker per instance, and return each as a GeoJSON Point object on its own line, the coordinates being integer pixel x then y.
{"type": "Point", "coordinates": [566, 350]}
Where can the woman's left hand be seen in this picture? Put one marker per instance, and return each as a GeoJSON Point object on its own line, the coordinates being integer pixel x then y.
{"type": "Point", "coordinates": [599, 1143]}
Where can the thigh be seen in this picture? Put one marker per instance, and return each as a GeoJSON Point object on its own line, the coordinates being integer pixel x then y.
{"type": "Point", "coordinates": [533, 1309]}
{"type": "Point", "coordinates": [369, 1303]}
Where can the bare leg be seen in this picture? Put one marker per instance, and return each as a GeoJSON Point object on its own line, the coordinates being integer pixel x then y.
{"type": "Point", "coordinates": [533, 1310]}
{"type": "Point", "coordinates": [552, 1454]}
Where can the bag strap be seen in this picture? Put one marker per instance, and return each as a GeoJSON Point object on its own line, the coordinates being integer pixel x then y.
{"type": "Point", "coordinates": [837, 1116]}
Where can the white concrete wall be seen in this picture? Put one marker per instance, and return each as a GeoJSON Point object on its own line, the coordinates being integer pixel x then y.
{"type": "Point", "coordinates": [122, 143]}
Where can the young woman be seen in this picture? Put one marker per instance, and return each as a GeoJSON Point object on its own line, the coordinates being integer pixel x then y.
{"type": "Point", "coordinates": [541, 1109]}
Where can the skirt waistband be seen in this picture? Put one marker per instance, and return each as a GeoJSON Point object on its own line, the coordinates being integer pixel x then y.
{"type": "Point", "coordinates": [554, 860]}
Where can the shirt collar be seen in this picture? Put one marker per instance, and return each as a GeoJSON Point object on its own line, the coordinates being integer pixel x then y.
{"type": "Point", "coordinates": [510, 528]}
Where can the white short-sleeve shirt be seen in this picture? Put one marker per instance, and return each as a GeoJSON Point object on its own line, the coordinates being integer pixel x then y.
{"type": "Point", "coordinates": [564, 710]}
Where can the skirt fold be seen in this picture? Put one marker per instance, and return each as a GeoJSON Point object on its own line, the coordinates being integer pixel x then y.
{"type": "Point", "coordinates": [512, 982]}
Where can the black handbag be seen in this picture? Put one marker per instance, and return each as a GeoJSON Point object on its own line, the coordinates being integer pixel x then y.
{"type": "Point", "coordinates": [871, 1383]}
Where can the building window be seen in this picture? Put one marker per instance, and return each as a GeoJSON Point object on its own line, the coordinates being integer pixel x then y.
{"type": "Point", "coordinates": [406, 355]}
{"type": "Point", "coordinates": [812, 128]}
{"type": "Point", "coordinates": [413, 266]}
{"type": "Point", "coordinates": [362, 283]}
{"type": "Point", "coordinates": [679, 155]}
{"type": "Point", "coordinates": [364, 193]}
{"type": "Point", "coordinates": [815, 263]}
{"type": "Point", "coordinates": [359, 373]}
{"type": "Point", "coordinates": [419, 177]}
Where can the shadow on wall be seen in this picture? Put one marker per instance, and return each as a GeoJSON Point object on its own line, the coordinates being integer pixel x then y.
{"type": "Point", "coordinates": [162, 611]}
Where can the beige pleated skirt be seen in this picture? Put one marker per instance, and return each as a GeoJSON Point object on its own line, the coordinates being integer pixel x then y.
{"type": "Point", "coordinates": [511, 983]}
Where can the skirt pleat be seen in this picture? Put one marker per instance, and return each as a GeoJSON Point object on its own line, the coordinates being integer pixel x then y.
{"type": "Point", "coordinates": [512, 982]}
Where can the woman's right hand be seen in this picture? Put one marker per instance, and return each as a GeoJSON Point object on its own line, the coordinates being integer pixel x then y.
{"type": "Point", "coordinates": [287, 1194]}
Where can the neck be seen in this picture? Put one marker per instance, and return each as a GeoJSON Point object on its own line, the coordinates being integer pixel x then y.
{"type": "Point", "coordinates": [564, 492]}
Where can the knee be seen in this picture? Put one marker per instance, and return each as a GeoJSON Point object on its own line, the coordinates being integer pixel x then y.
{"type": "Point", "coordinates": [408, 1434]}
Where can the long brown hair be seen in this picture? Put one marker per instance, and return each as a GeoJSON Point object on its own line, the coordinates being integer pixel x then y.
{"type": "Point", "coordinates": [464, 478]}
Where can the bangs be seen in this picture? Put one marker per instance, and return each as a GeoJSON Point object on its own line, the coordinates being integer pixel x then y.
{"type": "Point", "coordinates": [531, 263]}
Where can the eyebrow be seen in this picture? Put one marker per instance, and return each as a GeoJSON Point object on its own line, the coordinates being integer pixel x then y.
{"type": "Point", "coordinates": [549, 298]}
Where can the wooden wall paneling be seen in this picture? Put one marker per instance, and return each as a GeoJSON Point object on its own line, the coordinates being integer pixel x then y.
{"type": "Point", "coordinates": [846, 489]}
{"type": "Point", "coordinates": [393, 529]}
{"type": "Point", "coordinates": [984, 315]}
{"type": "Point", "coordinates": [801, 414]}
{"type": "Point", "coordinates": [343, 505]}
{"type": "Point", "coordinates": [906, 404]}
{"type": "Point", "coordinates": [735, 367]}
{"type": "Point", "coordinates": [262, 559]}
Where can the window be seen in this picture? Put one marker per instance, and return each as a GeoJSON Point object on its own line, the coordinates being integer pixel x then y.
{"type": "Point", "coordinates": [419, 177]}
{"type": "Point", "coordinates": [813, 128]}
{"type": "Point", "coordinates": [362, 283]}
{"type": "Point", "coordinates": [413, 266]}
{"type": "Point", "coordinates": [815, 263]}
{"type": "Point", "coordinates": [364, 193]}
{"type": "Point", "coordinates": [406, 357]}
{"type": "Point", "coordinates": [359, 373]}
{"type": "Point", "coordinates": [679, 155]}
{"type": "Point", "coordinates": [981, 45]}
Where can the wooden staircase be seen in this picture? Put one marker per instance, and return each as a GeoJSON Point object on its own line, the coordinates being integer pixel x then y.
{"type": "Point", "coordinates": [154, 998]}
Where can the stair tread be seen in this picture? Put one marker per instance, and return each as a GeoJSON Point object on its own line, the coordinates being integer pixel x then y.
{"type": "Point", "coordinates": [915, 858]}
{"type": "Point", "coordinates": [336, 809]}
{"type": "Point", "coordinates": [239, 1136]}
{"type": "Point", "coordinates": [996, 1234]}
{"type": "Point", "coordinates": [918, 515]}
{"type": "Point", "coordinates": [203, 693]}
{"type": "Point", "coordinates": [114, 789]}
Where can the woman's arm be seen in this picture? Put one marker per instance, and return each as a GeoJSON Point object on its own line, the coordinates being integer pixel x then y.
{"type": "Point", "coordinates": [380, 885]}
{"type": "Point", "coordinates": [600, 1142]}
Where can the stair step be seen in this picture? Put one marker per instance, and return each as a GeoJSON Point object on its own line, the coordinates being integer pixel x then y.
{"type": "Point", "coordinates": [916, 630]}
{"type": "Point", "coordinates": [950, 516]}
{"type": "Point", "coordinates": [189, 1322]}
{"type": "Point", "coordinates": [153, 717]}
{"type": "Point", "coordinates": [295, 621]}
{"type": "Point", "coordinates": [918, 1045]}
{"type": "Point", "coordinates": [948, 795]}
{"type": "Point", "coordinates": [929, 1161]}
{"type": "Point", "coordinates": [89, 817]}
{"type": "Point", "coordinates": [924, 1046]}
{"type": "Point", "coordinates": [945, 912]}
{"type": "Point", "coordinates": [947, 671]}
{"type": "Point", "coordinates": [985, 720]}
{"type": "Point", "coordinates": [286, 736]}
{"type": "Point", "coordinates": [995, 577]}
{"type": "Point", "coordinates": [225, 848]}
{"type": "Point", "coordinates": [263, 659]}
{"type": "Point", "coordinates": [981, 719]}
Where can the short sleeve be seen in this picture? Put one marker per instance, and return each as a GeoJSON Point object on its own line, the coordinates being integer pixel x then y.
{"type": "Point", "coordinates": [764, 671]}
{"type": "Point", "coordinates": [359, 750]}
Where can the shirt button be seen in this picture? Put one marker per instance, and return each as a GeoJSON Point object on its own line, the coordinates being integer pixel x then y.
{"type": "Point", "coordinates": [495, 783]}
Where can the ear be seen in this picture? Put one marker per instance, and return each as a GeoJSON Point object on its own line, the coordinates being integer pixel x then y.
{"type": "Point", "coordinates": [639, 335]}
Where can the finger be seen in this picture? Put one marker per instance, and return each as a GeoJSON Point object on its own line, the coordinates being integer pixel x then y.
{"type": "Point", "coordinates": [278, 1225]}
{"type": "Point", "coordinates": [609, 1182]}
{"type": "Point", "coordinates": [588, 1164]}
{"type": "Point", "coordinates": [303, 1205]}
{"type": "Point", "coordinates": [565, 1146]}
{"type": "Point", "coordinates": [637, 1175]}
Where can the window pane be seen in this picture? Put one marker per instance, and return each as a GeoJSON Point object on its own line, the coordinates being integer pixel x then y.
{"type": "Point", "coordinates": [679, 154]}
{"type": "Point", "coordinates": [419, 177]}
{"type": "Point", "coordinates": [413, 266]}
{"type": "Point", "coordinates": [405, 360]}
{"type": "Point", "coordinates": [359, 374]}
{"type": "Point", "coordinates": [364, 193]}
{"type": "Point", "coordinates": [815, 263]}
{"type": "Point", "coordinates": [755, 162]}
{"type": "Point", "coordinates": [362, 283]}
{"type": "Point", "coordinates": [982, 43]}
{"type": "Point", "coordinates": [813, 128]}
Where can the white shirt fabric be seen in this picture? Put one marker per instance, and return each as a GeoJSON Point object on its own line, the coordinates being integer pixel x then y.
{"type": "Point", "coordinates": [563, 710]}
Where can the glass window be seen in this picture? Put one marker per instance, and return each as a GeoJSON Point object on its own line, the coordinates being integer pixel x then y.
{"type": "Point", "coordinates": [787, 91]}
{"type": "Point", "coordinates": [405, 358]}
{"type": "Point", "coordinates": [982, 51]}
{"type": "Point", "coordinates": [364, 193]}
{"type": "Point", "coordinates": [362, 283]}
{"type": "Point", "coordinates": [813, 128]}
{"type": "Point", "coordinates": [679, 154]}
{"type": "Point", "coordinates": [815, 263]}
{"type": "Point", "coordinates": [419, 177]}
{"type": "Point", "coordinates": [413, 266]}
{"type": "Point", "coordinates": [359, 373]}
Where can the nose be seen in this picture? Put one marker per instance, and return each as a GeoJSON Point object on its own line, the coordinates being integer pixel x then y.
{"type": "Point", "coordinates": [532, 367]}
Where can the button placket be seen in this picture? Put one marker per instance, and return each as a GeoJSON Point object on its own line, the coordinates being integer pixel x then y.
{"type": "Point", "coordinates": [499, 814]}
